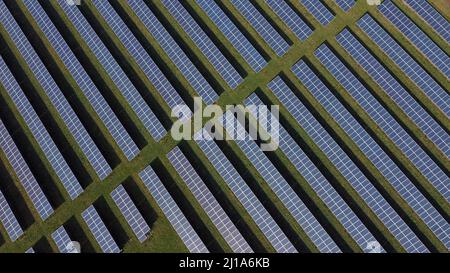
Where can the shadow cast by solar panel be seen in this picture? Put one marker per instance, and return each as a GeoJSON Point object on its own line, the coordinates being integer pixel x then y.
{"type": "Point", "coordinates": [30, 155]}
{"type": "Point", "coordinates": [166, 70]}
{"type": "Point", "coordinates": [140, 201]}
{"type": "Point", "coordinates": [243, 30]}
{"type": "Point", "coordinates": [76, 233]}
{"type": "Point", "coordinates": [111, 222]}
{"type": "Point", "coordinates": [202, 171]}
{"type": "Point", "coordinates": [188, 5]}
{"type": "Point", "coordinates": [15, 199]}
{"type": "Point", "coordinates": [186, 207]}
{"type": "Point", "coordinates": [239, 164]}
{"type": "Point", "coordinates": [97, 79]}
{"type": "Point", "coordinates": [124, 62]}
{"type": "Point", "coordinates": [43, 246]}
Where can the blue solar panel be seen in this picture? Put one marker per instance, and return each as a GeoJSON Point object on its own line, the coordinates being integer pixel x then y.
{"type": "Point", "coordinates": [208, 202]}
{"type": "Point", "coordinates": [245, 195]}
{"type": "Point", "coordinates": [413, 70]}
{"type": "Point", "coordinates": [8, 219]}
{"type": "Point", "coordinates": [319, 183]}
{"type": "Point", "coordinates": [113, 69]}
{"type": "Point", "coordinates": [348, 169]}
{"type": "Point", "coordinates": [24, 174]}
{"type": "Point", "coordinates": [318, 10]}
{"type": "Point", "coordinates": [172, 211]}
{"type": "Point", "coordinates": [284, 192]}
{"type": "Point", "coordinates": [140, 55]}
{"type": "Point", "coordinates": [262, 26]}
{"type": "Point", "coordinates": [36, 126]}
{"type": "Point", "coordinates": [373, 151]}
{"type": "Point", "coordinates": [346, 5]}
{"type": "Point", "coordinates": [233, 34]}
{"type": "Point", "coordinates": [380, 115]}
{"type": "Point", "coordinates": [54, 93]}
{"type": "Point", "coordinates": [290, 18]}
{"type": "Point", "coordinates": [209, 49]}
{"type": "Point", "coordinates": [99, 230]}
{"type": "Point", "coordinates": [131, 213]}
{"type": "Point", "coordinates": [433, 52]}
{"type": "Point", "coordinates": [62, 239]}
{"type": "Point", "coordinates": [174, 51]}
{"type": "Point", "coordinates": [432, 17]}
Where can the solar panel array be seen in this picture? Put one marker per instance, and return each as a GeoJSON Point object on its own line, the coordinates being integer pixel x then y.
{"type": "Point", "coordinates": [131, 213]}
{"type": "Point", "coordinates": [127, 89]}
{"type": "Point", "coordinates": [381, 116]}
{"type": "Point", "coordinates": [346, 5]}
{"type": "Point", "coordinates": [409, 66]}
{"type": "Point", "coordinates": [56, 96]}
{"type": "Point", "coordinates": [61, 239]}
{"type": "Point", "coordinates": [290, 18]}
{"type": "Point", "coordinates": [244, 194]}
{"type": "Point", "coordinates": [319, 11]}
{"type": "Point", "coordinates": [36, 126]}
{"type": "Point", "coordinates": [201, 39]}
{"type": "Point", "coordinates": [99, 230]}
{"type": "Point", "coordinates": [171, 210]}
{"type": "Point", "coordinates": [318, 182]}
{"type": "Point", "coordinates": [372, 150]}
{"type": "Point", "coordinates": [284, 192]}
{"type": "Point", "coordinates": [140, 55]}
{"type": "Point", "coordinates": [214, 48]}
{"type": "Point", "coordinates": [262, 26]}
{"type": "Point", "coordinates": [208, 202]}
{"type": "Point", "coordinates": [24, 174]}
{"type": "Point", "coordinates": [233, 34]}
{"type": "Point", "coordinates": [433, 52]}
{"type": "Point", "coordinates": [9, 220]}
{"type": "Point", "coordinates": [348, 169]}
{"type": "Point", "coordinates": [430, 15]}
{"type": "Point", "coordinates": [176, 54]}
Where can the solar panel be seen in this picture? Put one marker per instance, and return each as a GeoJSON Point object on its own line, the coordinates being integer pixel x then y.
{"type": "Point", "coordinates": [172, 211]}
{"type": "Point", "coordinates": [29, 251]}
{"type": "Point", "coordinates": [318, 10]}
{"type": "Point", "coordinates": [285, 193]}
{"type": "Point", "coordinates": [209, 49]}
{"type": "Point", "coordinates": [54, 93]}
{"type": "Point", "coordinates": [262, 26]}
{"type": "Point", "coordinates": [346, 5]}
{"type": "Point", "coordinates": [131, 213]}
{"type": "Point", "coordinates": [410, 67]}
{"type": "Point", "coordinates": [99, 230]}
{"type": "Point", "coordinates": [62, 239]}
{"type": "Point", "coordinates": [176, 54]}
{"type": "Point", "coordinates": [290, 18]}
{"type": "Point", "coordinates": [430, 15]}
{"type": "Point", "coordinates": [24, 174]}
{"type": "Point", "coordinates": [244, 194]}
{"type": "Point", "coordinates": [373, 151]}
{"type": "Point", "coordinates": [233, 34]}
{"type": "Point", "coordinates": [140, 55]}
{"type": "Point", "coordinates": [38, 130]}
{"type": "Point", "coordinates": [347, 168]}
{"type": "Point", "coordinates": [433, 52]}
{"type": "Point", "coordinates": [113, 69]}
{"type": "Point", "coordinates": [381, 116]}
{"type": "Point", "coordinates": [318, 182]}
{"type": "Point", "coordinates": [8, 219]}
{"type": "Point", "coordinates": [208, 202]}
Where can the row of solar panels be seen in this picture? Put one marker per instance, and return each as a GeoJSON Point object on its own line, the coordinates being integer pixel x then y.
{"type": "Point", "coordinates": [356, 132]}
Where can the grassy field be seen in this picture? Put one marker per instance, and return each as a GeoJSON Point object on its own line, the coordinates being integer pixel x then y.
{"type": "Point", "coordinates": [163, 237]}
